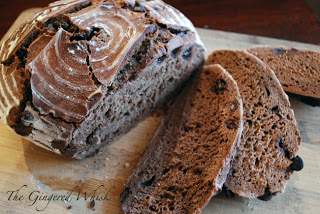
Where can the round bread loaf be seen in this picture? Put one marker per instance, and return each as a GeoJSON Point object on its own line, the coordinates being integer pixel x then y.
{"type": "Point", "coordinates": [81, 73]}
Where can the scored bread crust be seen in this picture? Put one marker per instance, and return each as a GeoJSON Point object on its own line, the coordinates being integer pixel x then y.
{"type": "Point", "coordinates": [189, 157]}
{"type": "Point", "coordinates": [270, 136]}
{"type": "Point", "coordinates": [80, 73]}
{"type": "Point", "coordinates": [297, 70]}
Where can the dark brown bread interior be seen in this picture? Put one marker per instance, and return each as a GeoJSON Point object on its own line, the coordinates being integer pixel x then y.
{"type": "Point", "coordinates": [270, 137]}
{"type": "Point", "coordinates": [188, 159]}
{"type": "Point", "coordinates": [297, 70]}
{"type": "Point", "coordinates": [134, 100]}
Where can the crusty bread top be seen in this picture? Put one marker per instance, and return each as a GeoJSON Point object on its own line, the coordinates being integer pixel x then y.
{"type": "Point", "coordinates": [188, 159]}
{"type": "Point", "coordinates": [297, 70]}
{"type": "Point", "coordinates": [270, 136]}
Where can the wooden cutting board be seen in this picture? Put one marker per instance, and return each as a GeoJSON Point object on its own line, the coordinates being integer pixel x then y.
{"type": "Point", "coordinates": [39, 175]}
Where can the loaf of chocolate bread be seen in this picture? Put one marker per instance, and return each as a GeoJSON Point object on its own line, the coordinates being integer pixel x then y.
{"type": "Point", "coordinates": [266, 154]}
{"type": "Point", "coordinates": [189, 157]}
{"type": "Point", "coordinates": [81, 73]}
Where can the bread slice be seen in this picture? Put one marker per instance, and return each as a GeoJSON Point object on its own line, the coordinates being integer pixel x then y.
{"type": "Point", "coordinates": [270, 138]}
{"type": "Point", "coordinates": [297, 70]}
{"type": "Point", "coordinates": [188, 159]}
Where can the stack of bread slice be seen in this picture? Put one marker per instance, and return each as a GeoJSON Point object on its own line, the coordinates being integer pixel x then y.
{"type": "Point", "coordinates": [232, 125]}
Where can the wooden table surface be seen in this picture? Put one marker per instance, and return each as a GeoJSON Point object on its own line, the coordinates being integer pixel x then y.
{"type": "Point", "coordinates": [39, 173]}
{"type": "Point", "coordinates": [283, 19]}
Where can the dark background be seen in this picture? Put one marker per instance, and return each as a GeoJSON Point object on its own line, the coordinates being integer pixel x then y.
{"type": "Point", "coordinates": [296, 20]}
